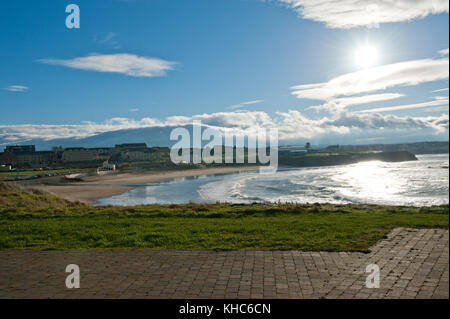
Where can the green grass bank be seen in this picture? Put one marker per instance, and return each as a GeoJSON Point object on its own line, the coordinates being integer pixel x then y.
{"type": "Point", "coordinates": [35, 220]}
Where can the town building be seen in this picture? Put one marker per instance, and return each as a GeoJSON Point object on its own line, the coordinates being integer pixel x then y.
{"type": "Point", "coordinates": [131, 146]}
{"type": "Point", "coordinates": [27, 156]}
{"type": "Point", "coordinates": [23, 156]}
{"type": "Point", "coordinates": [8, 158]}
{"type": "Point", "coordinates": [20, 149]}
{"type": "Point", "coordinates": [81, 154]}
{"type": "Point", "coordinates": [5, 168]}
{"type": "Point", "coordinates": [36, 159]}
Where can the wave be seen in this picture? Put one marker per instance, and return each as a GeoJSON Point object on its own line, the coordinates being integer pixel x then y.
{"type": "Point", "coordinates": [405, 183]}
{"type": "Point", "coordinates": [418, 183]}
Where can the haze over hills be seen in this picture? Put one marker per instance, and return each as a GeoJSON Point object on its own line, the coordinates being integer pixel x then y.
{"type": "Point", "coordinates": [160, 136]}
{"type": "Point", "coordinates": [152, 136]}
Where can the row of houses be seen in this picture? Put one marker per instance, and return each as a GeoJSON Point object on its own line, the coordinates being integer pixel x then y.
{"type": "Point", "coordinates": [27, 156]}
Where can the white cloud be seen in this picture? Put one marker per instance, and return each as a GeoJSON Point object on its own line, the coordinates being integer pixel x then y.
{"type": "Point", "coordinates": [377, 78]}
{"type": "Point", "coordinates": [341, 103]}
{"type": "Point", "coordinates": [237, 106]}
{"type": "Point", "coordinates": [23, 132]}
{"type": "Point", "coordinates": [439, 101]}
{"type": "Point", "coordinates": [440, 90]}
{"type": "Point", "coordinates": [356, 13]}
{"type": "Point", "coordinates": [133, 110]}
{"type": "Point", "coordinates": [442, 108]}
{"type": "Point", "coordinates": [291, 125]}
{"type": "Point", "coordinates": [443, 52]}
{"type": "Point", "coordinates": [107, 38]}
{"type": "Point", "coordinates": [17, 88]}
{"type": "Point", "coordinates": [379, 121]}
{"type": "Point", "coordinates": [236, 119]}
{"type": "Point", "coordinates": [128, 64]}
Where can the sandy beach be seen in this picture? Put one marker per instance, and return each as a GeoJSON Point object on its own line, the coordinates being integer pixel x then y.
{"type": "Point", "coordinates": [92, 188]}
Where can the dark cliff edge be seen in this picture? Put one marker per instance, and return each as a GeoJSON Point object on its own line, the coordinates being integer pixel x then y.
{"type": "Point", "coordinates": [345, 159]}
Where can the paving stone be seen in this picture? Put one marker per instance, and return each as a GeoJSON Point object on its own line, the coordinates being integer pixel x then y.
{"type": "Point", "coordinates": [414, 263]}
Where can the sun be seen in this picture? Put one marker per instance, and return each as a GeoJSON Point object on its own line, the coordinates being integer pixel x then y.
{"type": "Point", "coordinates": [366, 57]}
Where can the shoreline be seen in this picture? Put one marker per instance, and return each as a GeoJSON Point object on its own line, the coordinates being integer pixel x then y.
{"type": "Point", "coordinates": [92, 188]}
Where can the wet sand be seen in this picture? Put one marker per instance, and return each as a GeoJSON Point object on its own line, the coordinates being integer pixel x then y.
{"type": "Point", "coordinates": [92, 188]}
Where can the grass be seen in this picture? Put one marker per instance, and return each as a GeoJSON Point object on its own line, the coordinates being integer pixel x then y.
{"type": "Point", "coordinates": [38, 172]}
{"type": "Point", "coordinates": [12, 195]}
{"type": "Point", "coordinates": [65, 225]}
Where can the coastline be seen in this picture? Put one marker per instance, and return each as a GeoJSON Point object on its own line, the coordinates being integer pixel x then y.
{"type": "Point", "coordinates": [92, 188]}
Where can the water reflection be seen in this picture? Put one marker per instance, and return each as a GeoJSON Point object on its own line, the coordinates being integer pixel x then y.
{"type": "Point", "coordinates": [419, 183]}
{"type": "Point", "coordinates": [371, 180]}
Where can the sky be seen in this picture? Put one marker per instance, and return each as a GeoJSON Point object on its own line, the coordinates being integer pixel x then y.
{"type": "Point", "coordinates": [348, 71]}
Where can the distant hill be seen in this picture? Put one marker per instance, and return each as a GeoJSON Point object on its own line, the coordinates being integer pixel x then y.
{"type": "Point", "coordinates": [414, 148]}
{"type": "Point", "coordinates": [313, 160]}
{"type": "Point", "coordinates": [152, 136]}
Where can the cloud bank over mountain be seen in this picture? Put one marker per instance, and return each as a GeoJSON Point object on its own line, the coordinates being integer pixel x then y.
{"type": "Point", "coordinates": [292, 125]}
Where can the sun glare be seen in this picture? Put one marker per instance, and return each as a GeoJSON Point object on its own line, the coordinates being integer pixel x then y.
{"type": "Point", "coordinates": [366, 57]}
{"type": "Point", "coordinates": [372, 180]}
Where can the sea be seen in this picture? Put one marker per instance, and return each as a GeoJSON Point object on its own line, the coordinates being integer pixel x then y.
{"type": "Point", "coordinates": [416, 183]}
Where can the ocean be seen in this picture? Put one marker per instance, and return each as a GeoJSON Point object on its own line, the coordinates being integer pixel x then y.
{"type": "Point", "coordinates": [417, 183]}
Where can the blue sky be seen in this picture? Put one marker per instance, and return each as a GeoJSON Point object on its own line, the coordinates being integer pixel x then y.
{"type": "Point", "coordinates": [230, 62]}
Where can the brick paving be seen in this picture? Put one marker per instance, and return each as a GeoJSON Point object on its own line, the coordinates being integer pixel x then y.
{"type": "Point", "coordinates": [414, 263]}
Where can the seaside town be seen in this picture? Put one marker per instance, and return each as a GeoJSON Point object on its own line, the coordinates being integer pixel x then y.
{"type": "Point", "coordinates": [26, 156]}
{"type": "Point", "coordinates": [138, 156]}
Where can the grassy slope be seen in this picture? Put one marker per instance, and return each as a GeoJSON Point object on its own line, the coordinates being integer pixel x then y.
{"type": "Point", "coordinates": [12, 195]}
{"type": "Point", "coordinates": [8, 175]}
{"type": "Point", "coordinates": [64, 225]}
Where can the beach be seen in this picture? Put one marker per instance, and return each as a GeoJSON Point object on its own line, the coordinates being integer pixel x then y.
{"type": "Point", "coordinates": [92, 188]}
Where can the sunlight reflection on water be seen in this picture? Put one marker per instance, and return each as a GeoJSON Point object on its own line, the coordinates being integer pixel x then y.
{"type": "Point", "coordinates": [371, 180]}
{"type": "Point", "coordinates": [419, 183]}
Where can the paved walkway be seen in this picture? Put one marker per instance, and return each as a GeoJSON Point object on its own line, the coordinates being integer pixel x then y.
{"type": "Point", "coordinates": [414, 263]}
